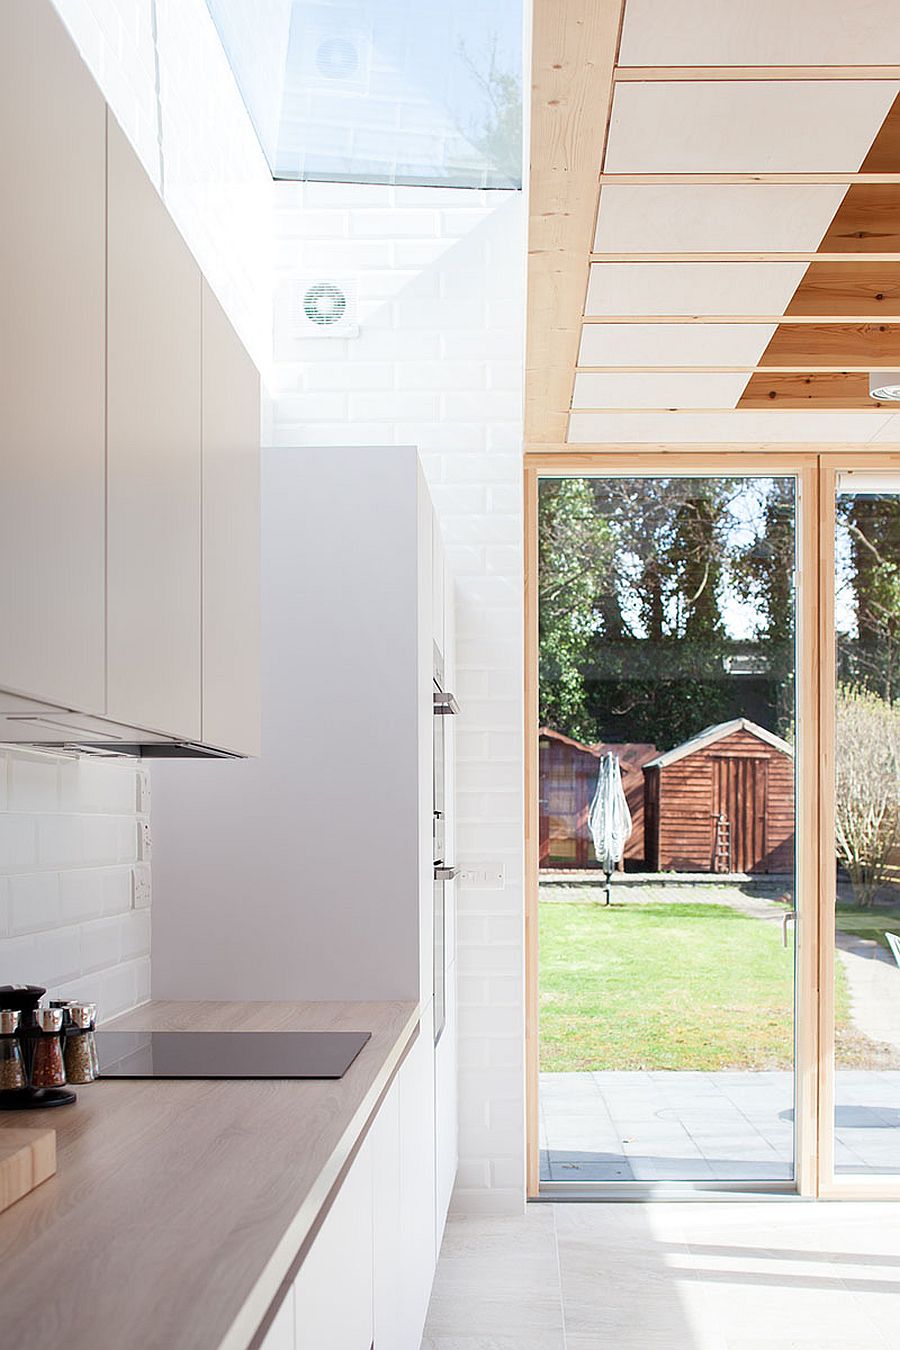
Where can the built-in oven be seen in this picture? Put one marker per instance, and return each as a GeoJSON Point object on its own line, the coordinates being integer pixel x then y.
{"type": "Point", "coordinates": [445, 705]}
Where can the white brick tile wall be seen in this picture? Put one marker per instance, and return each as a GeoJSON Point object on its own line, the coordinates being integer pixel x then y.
{"type": "Point", "coordinates": [68, 848]}
{"type": "Point", "coordinates": [439, 280]}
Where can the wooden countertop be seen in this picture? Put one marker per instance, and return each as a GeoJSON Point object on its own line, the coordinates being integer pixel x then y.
{"type": "Point", "coordinates": [178, 1207]}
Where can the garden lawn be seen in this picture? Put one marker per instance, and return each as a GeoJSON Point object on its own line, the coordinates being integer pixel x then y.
{"type": "Point", "coordinates": [664, 986]}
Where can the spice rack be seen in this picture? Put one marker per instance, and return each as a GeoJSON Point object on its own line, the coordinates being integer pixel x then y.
{"type": "Point", "coordinates": [31, 1040]}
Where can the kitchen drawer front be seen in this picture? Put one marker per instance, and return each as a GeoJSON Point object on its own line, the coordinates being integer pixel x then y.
{"type": "Point", "coordinates": [333, 1288]}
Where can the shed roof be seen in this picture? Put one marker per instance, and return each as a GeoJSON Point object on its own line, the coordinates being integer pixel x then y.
{"type": "Point", "coordinates": [631, 753]}
{"type": "Point", "coordinates": [718, 733]}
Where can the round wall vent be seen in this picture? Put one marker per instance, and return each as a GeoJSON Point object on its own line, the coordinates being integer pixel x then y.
{"type": "Point", "coordinates": [337, 58]}
{"type": "Point", "coordinates": [324, 303]}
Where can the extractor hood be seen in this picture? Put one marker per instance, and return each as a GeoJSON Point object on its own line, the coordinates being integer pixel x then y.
{"type": "Point", "coordinates": [27, 722]}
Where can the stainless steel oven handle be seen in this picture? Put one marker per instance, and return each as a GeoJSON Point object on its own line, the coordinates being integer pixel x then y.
{"type": "Point", "coordinates": [444, 703]}
{"type": "Point", "coordinates": [445, 873]}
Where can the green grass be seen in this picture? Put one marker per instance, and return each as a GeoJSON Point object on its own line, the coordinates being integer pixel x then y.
{"type": "Point", "coordinates": [870, 923]}
{"type": "Point", "coordinates": [664, 986]}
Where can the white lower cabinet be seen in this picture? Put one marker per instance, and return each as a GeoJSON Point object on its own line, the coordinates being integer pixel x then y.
{"type": "Point", "coordinates": [333, 1288]}
{"type": "Point", "coordinates": [280, 1335]}
{"type": "Point", "coordinates": [367, 1277]}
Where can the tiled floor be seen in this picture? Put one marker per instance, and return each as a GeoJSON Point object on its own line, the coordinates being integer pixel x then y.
{"type": "Point", "coordinates": [665, 1126]}
{"type": "Point", "coordinates": [773, 1275]}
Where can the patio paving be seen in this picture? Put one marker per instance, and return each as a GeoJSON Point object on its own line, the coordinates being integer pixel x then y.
{"type": "Point", "coordinates": [725, 1126]}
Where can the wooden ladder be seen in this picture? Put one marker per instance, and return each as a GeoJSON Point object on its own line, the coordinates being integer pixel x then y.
{"type": "Point", "coordinates": [722, 853]}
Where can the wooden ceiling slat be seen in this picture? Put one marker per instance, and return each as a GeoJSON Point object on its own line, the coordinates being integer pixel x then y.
{"type": "Point", "coordinates": [646, 74]}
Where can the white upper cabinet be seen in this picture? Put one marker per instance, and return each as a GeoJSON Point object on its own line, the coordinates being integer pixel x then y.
{"type": "Point", "coordinates": [231, 547]}
{"type": "Point", "coordinates": [153, 461]}
{"type": "Point", "coordinates": [52, 279]}
{"type": "Point", "coordinates": [129, 436]}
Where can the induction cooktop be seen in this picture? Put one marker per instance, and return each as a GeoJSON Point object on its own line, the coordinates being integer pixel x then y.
{"type": "Point", "coordinates": [228, 1054]}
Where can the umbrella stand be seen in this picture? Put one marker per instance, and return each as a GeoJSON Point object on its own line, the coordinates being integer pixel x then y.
{"type": "Point", "coordinates": [608, 877]}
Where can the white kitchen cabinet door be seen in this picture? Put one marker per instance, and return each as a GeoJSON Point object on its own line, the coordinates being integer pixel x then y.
{"type": "Point", "coordinates": [230, 552]}
{"type": "Point", "coordinates": [333, 1288]}
{"type": "Point", "coordinates": [446, 1106]}
{"type": "Point", "coordinates": [280, 1335]}
{"type": "Point", "coordinates": [392, 1330]}
{"type": "Point", "coordinates": [52, 279]}
{"type": "Point", "coordinates": [153, 465]}
{"type": "Point", "coordinates": [417, 1174]}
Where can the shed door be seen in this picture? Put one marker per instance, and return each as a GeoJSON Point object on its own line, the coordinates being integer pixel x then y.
{"type": "Point", "coordinates": [739, 796]}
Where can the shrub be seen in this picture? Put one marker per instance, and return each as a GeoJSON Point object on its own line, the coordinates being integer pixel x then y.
{"type": "Point", "coordinates": [867, 816]}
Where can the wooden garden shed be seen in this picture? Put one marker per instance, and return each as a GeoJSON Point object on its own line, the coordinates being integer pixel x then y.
{"type": "Point", "coordinates": [721, 802]}
{"type": "Point", "coordinates": [568, 777]}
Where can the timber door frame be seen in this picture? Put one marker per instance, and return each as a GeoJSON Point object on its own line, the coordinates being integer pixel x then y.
{"type": "Point", "coordinates": [850, 1187]}
{"type": "Point", "coordinates": [749, 461]}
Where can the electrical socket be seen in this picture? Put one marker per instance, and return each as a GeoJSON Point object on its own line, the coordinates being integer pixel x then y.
{"type": "Point", "coordinates": [483, 877]}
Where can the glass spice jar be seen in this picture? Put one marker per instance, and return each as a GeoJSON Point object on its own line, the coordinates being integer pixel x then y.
{"type": "Point", "coordinates": [12, 1067]}
{"type": "Point", "coordinates": [47, 1067]}
{"type": "Point", "coordinates": [80, 1048]}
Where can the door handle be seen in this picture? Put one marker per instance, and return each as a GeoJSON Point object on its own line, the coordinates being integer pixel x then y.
{"type": "Point", "coordinates": [789, 916]}
{"type": "Point", "coordinates": [445, 873]}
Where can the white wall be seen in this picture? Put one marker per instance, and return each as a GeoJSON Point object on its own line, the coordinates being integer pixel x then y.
{"type": "Point", "coordinates": [439, 276]}
{"type": "Point", "coordinates": [69, 918]}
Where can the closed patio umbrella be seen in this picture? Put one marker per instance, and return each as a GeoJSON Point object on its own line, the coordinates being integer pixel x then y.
{"type": "Point", "coordinates": [609, 819]}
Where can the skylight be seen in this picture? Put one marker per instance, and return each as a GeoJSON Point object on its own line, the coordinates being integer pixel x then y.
{"type": "Point", "coordinates": [381, 91]}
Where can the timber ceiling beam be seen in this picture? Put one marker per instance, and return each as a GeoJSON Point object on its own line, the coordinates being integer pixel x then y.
{"type": "Point", "coordinates": [574, 56]}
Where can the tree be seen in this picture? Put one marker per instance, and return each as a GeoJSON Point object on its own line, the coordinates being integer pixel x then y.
{"type": "Point", "coordinates": [574, 556]}
{"type": "Point", "coordinates": [867, 806]}
{"type": "Point", "coordinates": [872, 655]}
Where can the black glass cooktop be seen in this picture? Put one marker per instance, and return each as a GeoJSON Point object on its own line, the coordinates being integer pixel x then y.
{"type": "Point", "coordinates": [228, 1054]}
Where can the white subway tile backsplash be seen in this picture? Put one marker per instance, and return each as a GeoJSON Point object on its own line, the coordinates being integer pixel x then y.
{"type": "Point", "coordinates": [34, 902]}
{"type": "Point", "coordinates": [66, 914]}
{"type": "Point", "coordinates": [101, 945]}
{"type": "Point", "coordinates": [18, 841]}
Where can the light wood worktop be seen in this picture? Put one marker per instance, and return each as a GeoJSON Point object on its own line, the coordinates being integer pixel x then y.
{"type": "Point", "coordinates": [178, 1207]}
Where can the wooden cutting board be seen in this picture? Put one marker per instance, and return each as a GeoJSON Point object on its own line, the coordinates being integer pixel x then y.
{"type": "Point", "coordinates": [27, 1157]}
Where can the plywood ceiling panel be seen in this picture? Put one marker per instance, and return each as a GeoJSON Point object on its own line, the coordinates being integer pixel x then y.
{"type": "Point", "coordinates": [663, 389]}
{"type": "Point", "coordinates": [867, 221]}
{"type": "Point", "coordinates": [745, 126]}
{"type": "Point", "coordinates": [837, 390]}
{"type": "Point", "coordinates": [746, 218]}
{"type": "Point", "coordinates": [743, 426]}
{"type": "Point", "coordinates": [872, 345]}
{"type": "Point", "coordinates": [760, 33]}
{"type": "Point", "coordinates": [691, 288]}
{"type": "Point", "coordinates": [866, 288]}
{"type": "Point", "coordinates": [674, 344]}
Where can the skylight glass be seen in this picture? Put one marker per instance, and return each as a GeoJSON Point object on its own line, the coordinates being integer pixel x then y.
{"type": "Point", "coordinates": [381, 91]}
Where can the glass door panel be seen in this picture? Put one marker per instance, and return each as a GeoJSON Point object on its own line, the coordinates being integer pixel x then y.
{"type": "Point", "coordinates": [867, 824]}
{"type": "Point", "coordinates": [667, 622]}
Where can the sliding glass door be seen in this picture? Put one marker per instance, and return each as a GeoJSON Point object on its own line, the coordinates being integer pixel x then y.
{"type": "Point", "coordinates": [860, 929]}
{"type": "Point", "coordinates": [672, 889]}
